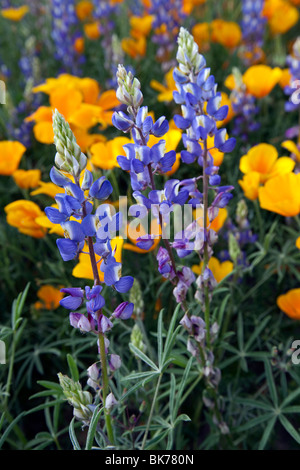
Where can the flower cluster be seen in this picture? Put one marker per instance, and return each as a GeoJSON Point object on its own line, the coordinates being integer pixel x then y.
{"type": "Point", "coordinates": [244, 107]}
{"type": "Point", "coordinates": [293, 89]}
{"type": "Point", "coordinates": [168, 15]}
{"type": "Point", "coordinates": [253, 28]}
{"type": "Point", "coordinates": [201, 110]}
{"type": "Point", "coordinates": [143, 162]}
{"type": "Point", "coordinates": [82, 227]}
{"type": "Point", "coordinates": [64, 22]}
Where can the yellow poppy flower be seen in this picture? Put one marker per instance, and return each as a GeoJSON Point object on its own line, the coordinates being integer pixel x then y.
{"type": "Point", "coordinates": [289, 303]}
{"type": "Point", "coordinates": [216, 224]}
{"type": "Point", "coordinates": [141, 25]}
{"type": "Point", "coordinates": [83, 269]}
{"type": "Point", "coordinates": [165, 91]}
{"type": "Point", "coordinates": [219, 269]}
{"type": "Point", "coordinates": [293, 148]}
{"type": "Point", "coordinates": [263, 159]}
{"type": "Point", "coordinates": [250, 184]}
{"type": "Point", "coordinates": [134, 47]}
{"type": "Point", "coordinates": [84, 9]}
{"type": "Point", "coordinates": [49, 298]}
{"type": "Point", "coordinates": [27, 178]}
{"type": "Point", "coordinates": [281, 195]}
{"type": "Point", "coordinates": [202, 34]}
{"type": "Point", "coordinates": [22, 214]}
{"type": "Point", "coordinates": [227, 33]}
{"type": "Point", "coordinates": [49, 189]}
{"type": "Point", "coordinates": [188, 5]}
{"type": "Point", "coordinates": [261, 79]}
{"type": "Point", "coordinates": [92, 30]}
{"type": "Point", "coordinates": [15, 14]}
{"type": "Point", "coordinates": [11, 153]}
{"type": "Point", "coordinates": [281, 15]}
{"type": "Point", "coordinates": [104, 154]}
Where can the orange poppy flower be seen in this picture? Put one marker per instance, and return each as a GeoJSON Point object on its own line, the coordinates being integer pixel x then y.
{"type": "Point", "coordinates": [22, 214]}
{"type": "Point", "coordinates": [289, 303]}
{"type": "Point", "coordinates": [11, 153]}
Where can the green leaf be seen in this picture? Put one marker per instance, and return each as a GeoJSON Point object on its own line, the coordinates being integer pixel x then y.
{"type": "Point", "coordinates": [254, 422]}
{"type": "Point", "coordinates": [142, 356]}
{"type": "Point", "coordinates": [254, 404]}
{"type": "Point", "coordinates": [73, 368]}
{"type": "Point", "coordinates": [267, 432]}
{"type": "Point", "coordinates": [160, 338]}
{"type": "Point", "coordinates": [289, 428]}
{"type": "Point", "coordinates": [93, 427]}
{"type": "Point", "coordinates": [10, 428]}
{"type": "Point", "coordinates": [72, 435]}
{"type": "Point", "coordinates": [17, 308]}
{"type": "Point", "coordinates": [182, 417]}
{"type": "Point", "coordinates": [271, 383]}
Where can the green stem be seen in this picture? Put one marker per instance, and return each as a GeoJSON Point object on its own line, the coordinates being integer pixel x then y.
{"type": "Point", "coordinates": [151, 411]}
{"type": "Point", "coordinates": [105, 388]}
{"type": "Point", "coordinates": [206, 257]}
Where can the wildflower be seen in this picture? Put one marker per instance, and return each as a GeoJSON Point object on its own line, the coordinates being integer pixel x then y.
{"type": "Point", "coordinates": [11, 153]}
{"type": "Point", "coordinates": [263, 159]}
{"type": "Point", "coordinates": [81, 401]}
{"type": "Point", "coordinates": [84, 9]}
{"type": "Point", "coordinates": [244, 106]}
{"type": "Point", "coordinates": [22, 214]}
{"type": "Point", "coordinates": [27, 178]}
{"type": "Point", "coordinates": [253, 28]}
{"type": "Point", "coordinates": [227, 33]}
{"type": "Point", "coordinates": [250, 185]}
{"type": "Point", "coordinates": [49, 298]}
{"type": "Point", "coordinates": [281, 195]}
{"type": "Point", "coordinates": [165, 91]}
{"type": "Point", "coordinates": [15, 14]}
{"type": "Point", "coordinates": [218, 268]}
{"type": "Point", "coordinates": [104, 154]}
{"type": "Point", "coordinates": [293, 87]}
{"type": "Point", "coordinates": [261, 79]}
{"type": "Point", "coordinates": [293, 148]}
{"type": "Point", "coordinates": [281, 15]}
{"type": "Point", "coordinates": [92, 30]}
{"type": "Point", "coordinates": [202, 34]}
{"type": "Point", "coordinates": [289, 303]}
{"type": "Point", "coordinates": [48, 188]}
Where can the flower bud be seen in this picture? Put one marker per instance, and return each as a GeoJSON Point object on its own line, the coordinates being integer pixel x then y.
{"type": "Point", "coordinates": [68, 156]}
{"type": "Point", "coordinates": [136, 338]}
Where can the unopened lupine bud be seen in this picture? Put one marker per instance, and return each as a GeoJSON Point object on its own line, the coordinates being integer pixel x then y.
{"type": "Point", "coordinates": [234, 248]}
{"type": "Point", "coordinates": [68, 156]}
{"type": "Point", "coordinates": [136, 338]}
{"type": "Point", "coordinates": [188, 55]}
{"type": "Point", "coordinates": [136, 298]}
{"type": "Point", "coordinates": [129, 88]}
{"type": "Point", "coordinates": [110, 401]}
{"type": "Point", "coordinates": [80, 400]}
{"type": "Point", "coordinates": [242, 213]}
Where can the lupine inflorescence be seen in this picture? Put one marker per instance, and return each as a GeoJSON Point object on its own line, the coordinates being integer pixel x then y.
{"type": "Point", "coordinates": [64, 35]}
{"type": "Point", "coordinates": [245, 109]}
{"type": "Point", "coordinates": [293, 89]}
{"type": "Point", "coordinates": [253, 30]}
{"type": "Point", "coordinates": [83, 227]}
{"type": "Point", "coordinates": [201, 110]}
{"type": "Point", "coordinates": [168, 16]}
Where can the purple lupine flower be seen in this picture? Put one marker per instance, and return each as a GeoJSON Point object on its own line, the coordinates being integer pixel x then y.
{"type": "Point", "coordinates": [253, 30]}
{"type": "Point", "coordinates": [245, 109]}
{"type": "Point", "coordinates": [167, 14]}
{"type": "Point", "coordinates": [293, 89]}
